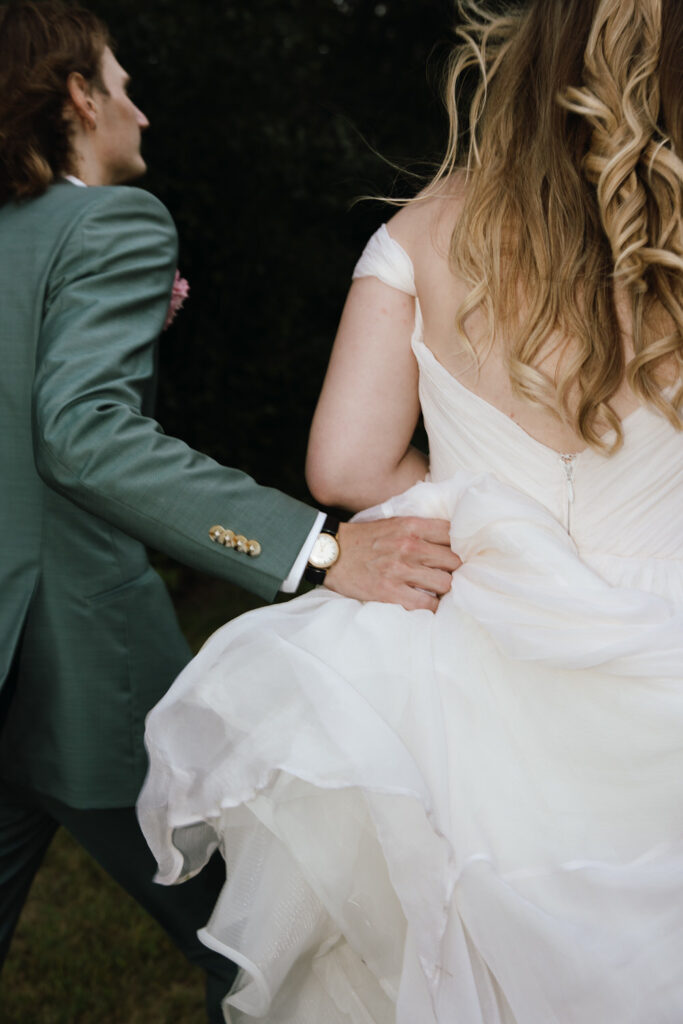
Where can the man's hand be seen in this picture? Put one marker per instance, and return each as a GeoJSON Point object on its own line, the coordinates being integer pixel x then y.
{"type": "Point", "coordinates": [405, 561]}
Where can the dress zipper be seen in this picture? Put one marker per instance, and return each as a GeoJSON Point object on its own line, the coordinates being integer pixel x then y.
{"type": "Point", "coordinates": [568, 466]}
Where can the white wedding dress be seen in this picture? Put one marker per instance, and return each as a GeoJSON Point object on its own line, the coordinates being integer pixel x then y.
{"type": "Point", "coordinates": [471, 817]}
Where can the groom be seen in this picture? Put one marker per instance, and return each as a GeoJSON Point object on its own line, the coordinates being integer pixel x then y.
{"type": "Point", "coordinates": [89, 641]}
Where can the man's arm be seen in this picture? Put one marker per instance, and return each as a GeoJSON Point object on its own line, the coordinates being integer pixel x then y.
{"type": "Point", "coordinates": [106, 303]}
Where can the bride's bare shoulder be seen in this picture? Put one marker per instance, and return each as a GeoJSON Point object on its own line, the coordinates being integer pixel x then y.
{"type": "Point", "coordinates": [423, 227]}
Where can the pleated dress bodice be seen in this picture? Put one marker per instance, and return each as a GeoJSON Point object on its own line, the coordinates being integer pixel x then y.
{"type": "Point", "coordinates": [620, 510]}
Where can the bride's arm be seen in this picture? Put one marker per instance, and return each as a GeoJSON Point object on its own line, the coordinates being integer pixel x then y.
{"type": "Point", "coordinates": [359, 450]}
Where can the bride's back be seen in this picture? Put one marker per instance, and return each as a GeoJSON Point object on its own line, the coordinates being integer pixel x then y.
{"type": "Point", "coordinates": [549, 275]}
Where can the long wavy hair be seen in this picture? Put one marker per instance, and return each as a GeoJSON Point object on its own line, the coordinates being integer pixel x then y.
{"type": "Point", "coordinates": [574, 197]}
{"type": "Point", "coordinates": [40, 45]}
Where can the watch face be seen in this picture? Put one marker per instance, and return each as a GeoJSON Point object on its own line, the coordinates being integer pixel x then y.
{"type": "Point", "coordinates": [325, 551]}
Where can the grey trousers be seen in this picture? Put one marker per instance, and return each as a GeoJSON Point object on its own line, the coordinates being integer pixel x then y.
{"type": "Point", "coordinates": [28, 822]}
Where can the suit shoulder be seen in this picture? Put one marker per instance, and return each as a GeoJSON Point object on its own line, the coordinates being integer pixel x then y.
{"type": "Point", "coordinates": [102, 223]}
{"type": "Point", "coordinates": [71, 204]}
{"type": "Point", "coordinates": [131, 198]}
{"type": "Point", "coordinates": [124, 201]}
{"type": "Point", "coordinates": [122, 215]}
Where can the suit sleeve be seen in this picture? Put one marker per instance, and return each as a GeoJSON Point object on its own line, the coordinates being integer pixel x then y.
{"type": "Point", "coordinates": [106, 302]}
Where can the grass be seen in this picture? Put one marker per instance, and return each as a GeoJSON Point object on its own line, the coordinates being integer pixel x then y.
{"type": "Point", "coordinates": [84, 952]}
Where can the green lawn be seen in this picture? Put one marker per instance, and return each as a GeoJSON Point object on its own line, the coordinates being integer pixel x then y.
{"type": "Point", "coordinates": [84, 952]}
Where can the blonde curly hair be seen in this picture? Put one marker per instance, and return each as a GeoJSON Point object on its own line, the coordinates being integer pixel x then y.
{"type": "Point", "coordinates": [575, 187]}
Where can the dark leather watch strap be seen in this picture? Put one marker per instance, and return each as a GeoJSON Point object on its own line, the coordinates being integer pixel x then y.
{"type": "Point", "coordinates": [331, 525]}
{"type": "Point", "coordinates": [314, 574]}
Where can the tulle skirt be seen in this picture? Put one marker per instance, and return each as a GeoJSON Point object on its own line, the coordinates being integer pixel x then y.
{"type": "Point", "coordinates": [468, 817]}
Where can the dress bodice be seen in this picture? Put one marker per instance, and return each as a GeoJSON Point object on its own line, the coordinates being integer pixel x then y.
{"type": "Point", "coordinates": [621, 510]}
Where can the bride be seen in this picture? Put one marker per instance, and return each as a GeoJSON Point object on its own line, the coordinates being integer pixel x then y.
{"type": "Point", "coordinates": [476, 816]}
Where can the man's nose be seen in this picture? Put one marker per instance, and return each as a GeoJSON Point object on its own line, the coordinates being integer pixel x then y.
{"type": "Point", "coordinates": [142, 120]}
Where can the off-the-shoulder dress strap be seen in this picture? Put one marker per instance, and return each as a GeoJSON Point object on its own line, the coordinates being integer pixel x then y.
{"type": "Point", "coordinates": [385, 259]}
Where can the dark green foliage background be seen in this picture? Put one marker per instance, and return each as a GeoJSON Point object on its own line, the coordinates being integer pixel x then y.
{"type": "Point", "coordinates": [265, 118]}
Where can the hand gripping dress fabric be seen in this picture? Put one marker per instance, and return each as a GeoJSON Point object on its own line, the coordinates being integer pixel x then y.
{"type": "Point", "coordinates": [467, 817]}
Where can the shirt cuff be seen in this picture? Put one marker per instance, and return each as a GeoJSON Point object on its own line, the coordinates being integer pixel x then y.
{"type": "Point", "coordinates": [291, 584]}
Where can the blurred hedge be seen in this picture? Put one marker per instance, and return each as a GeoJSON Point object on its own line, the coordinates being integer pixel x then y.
{"type": "Point", "coordinates": [267, 118]}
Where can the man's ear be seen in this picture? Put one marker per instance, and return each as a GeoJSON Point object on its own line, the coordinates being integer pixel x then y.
{"type": "Point", "coordinates": [81, 103]}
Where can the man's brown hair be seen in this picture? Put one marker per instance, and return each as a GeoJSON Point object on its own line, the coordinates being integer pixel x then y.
{"type": "Point", "coordinates": [40, 45]}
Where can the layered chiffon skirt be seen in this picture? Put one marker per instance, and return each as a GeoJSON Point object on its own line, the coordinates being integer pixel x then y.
{"type": "Point", "coordinates": [467, 817]}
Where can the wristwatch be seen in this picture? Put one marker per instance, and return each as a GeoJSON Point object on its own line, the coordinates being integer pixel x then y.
{"type": "Point", "coordinates": [324, 553]}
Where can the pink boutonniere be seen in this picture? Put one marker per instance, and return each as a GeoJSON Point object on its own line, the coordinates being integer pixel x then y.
{"type": "Point", "coordinates": [179, 293]}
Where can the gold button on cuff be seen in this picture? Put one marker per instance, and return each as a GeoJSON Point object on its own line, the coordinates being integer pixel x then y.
{"type": "Point", "coordinates": [220, 535]}
{"type": "Point", "coordinates": [230, 539]}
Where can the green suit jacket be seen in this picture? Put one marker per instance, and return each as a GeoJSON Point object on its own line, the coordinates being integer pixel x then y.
{"type": "Point", "coordinates": [87, 479]}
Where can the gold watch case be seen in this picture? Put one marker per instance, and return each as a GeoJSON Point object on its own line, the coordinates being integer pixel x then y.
{"type": "Point", "coordinates": [325, 551]}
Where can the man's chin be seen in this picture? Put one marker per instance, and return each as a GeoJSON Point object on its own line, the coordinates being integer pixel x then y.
{"type": "Point", "coordinates": [131, 173]}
